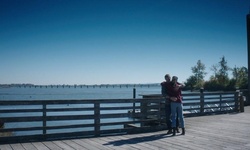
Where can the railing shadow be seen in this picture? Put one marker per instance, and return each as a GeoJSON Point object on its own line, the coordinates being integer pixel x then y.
{"type": "Point", "coordinates": [137, 140]}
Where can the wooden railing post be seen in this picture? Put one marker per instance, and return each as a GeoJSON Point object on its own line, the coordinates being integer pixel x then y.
{"type": "Point", "coordinates": [44, 120]}
{"type": "Point", "coordinates": [97, 118]}
{"type": "Point", "coordinates": [159, 112]}
{"type": "Point", "coordinates": [143, 114]}
{"type": "Point", "coordinates": [220, 102]}
{"type": "Point", "coordinates": [241, 99]}
{"type": "Point", "coordinates": [201, 101]}
{"type": "Point", "coordinates": [134, 96]}
{"type": "Point", "coordinates": [134, 93]}
{"type": "Point", "coordinates": [236, 99]}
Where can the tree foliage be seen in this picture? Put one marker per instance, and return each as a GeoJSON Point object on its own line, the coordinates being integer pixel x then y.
{"type": "Point", "coordinates": [196, 81]}
{"type": "Point", "coordinates": [199, 73]}
{"type": "Point", "coordinates": [219, 81]}
{"type": "Point", "coordinates": [220, 72]}
{"type": "Point", "coordinates": [222, 75]}
{"type": "Point", "coordinates": [191, 82]}
{"type": "Point", "coordinates": [240, 75]}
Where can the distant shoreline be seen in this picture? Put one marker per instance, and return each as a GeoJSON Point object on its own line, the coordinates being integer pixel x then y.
{"type": "Point", "coordinates": [77, 85]}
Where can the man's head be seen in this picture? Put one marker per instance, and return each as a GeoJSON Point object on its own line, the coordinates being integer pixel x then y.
{"type": "Point", "coordinates": [167, 77]}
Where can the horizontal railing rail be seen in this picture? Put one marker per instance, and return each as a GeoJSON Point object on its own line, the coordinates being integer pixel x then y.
{"type": "Point", "coordinates": [33, 120]}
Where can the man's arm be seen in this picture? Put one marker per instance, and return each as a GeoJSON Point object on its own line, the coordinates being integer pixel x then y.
{"type": "Point", "coordinates": [164, 90]}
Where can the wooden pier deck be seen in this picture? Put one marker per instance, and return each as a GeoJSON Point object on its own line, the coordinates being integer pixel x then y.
{"type": "Point", "coordinates": [225, 131]}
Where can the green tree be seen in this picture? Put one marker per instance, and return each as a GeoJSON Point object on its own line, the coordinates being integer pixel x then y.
{"type": "Point", "coordinates": [240, 75]}
{"type": "Point", "coordinates": [199, 74]}
{"type": "Point", "coordinates": [212, 85]}
{"type": "Point", "coordinates": [220, 80]}
{"type": "Point", "coordinates": [190, 84]}
{"type": "Point", "coordinates": [221, 73]}
{"type": "Point", "coordinates": [214, 68]}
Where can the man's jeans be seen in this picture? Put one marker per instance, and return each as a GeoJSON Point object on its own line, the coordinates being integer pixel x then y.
{"type": "Point", "coordinates": [177, 108]}
{"type": "Point", "coordinates": [168, 114]}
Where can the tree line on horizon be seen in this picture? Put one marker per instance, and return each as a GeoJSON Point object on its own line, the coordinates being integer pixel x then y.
{"type": "Point", "coordinates": [219, 80]}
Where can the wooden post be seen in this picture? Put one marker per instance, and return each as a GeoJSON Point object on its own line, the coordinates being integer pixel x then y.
{"type": "Point", "coordinates": [220, 102]}
{"type": "Point", "coordinates": [134, 96]}
{"type": "Point", "coordinates": [241, 103]}
{"type": "Point", "coordinates": [134, 93]}
{"type": "Point", "coordinates": [143, 110]}
{"type": "Point", "coordinates": [44, 120]}
{"type": "Point", "coordinates": [248, 50]}
{"type": "Point", "coordinates": [97, 118]}
{"type": "Point", "coordinates": [201, 101]}
{"type": "Point", "coordinates": [159, 113]}
{"type": "Point", "coordinates": [236, 99]}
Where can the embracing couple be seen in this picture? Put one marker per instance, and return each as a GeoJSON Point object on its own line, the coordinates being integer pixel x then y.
{"type": "Point", "coordinates": [171, 90]}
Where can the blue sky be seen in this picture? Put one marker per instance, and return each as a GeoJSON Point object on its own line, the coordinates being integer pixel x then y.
{"type": "Point", "coordinates": [117, 41]}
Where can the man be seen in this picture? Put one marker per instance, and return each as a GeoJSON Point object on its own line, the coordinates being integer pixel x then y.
{"type": "Point", "coordinates": [164, 91]}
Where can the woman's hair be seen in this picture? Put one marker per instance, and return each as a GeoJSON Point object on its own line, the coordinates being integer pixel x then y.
{"type": "Point", "coordinates": [174, 78]}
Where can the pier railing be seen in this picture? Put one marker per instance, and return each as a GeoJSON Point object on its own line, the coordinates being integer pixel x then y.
{"type": "Point", "coordinates": [36, 120]}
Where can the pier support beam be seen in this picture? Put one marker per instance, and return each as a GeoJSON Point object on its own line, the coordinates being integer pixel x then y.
{"type": "Point", "coordinates": [248, 58]}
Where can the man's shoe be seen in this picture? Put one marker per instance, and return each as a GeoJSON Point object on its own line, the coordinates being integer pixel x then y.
{"type": "Point", "coordinates": [177, 130]}
{"type": "Point", "coordinates": [169, 131]}
{"type": "Point", "coordinates": [174, 132]}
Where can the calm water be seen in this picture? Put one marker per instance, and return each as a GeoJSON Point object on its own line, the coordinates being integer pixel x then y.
{"type": "Point", "coordinates": [84, 92]}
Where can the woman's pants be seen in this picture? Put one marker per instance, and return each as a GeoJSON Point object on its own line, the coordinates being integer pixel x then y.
{"type": "Point", "coordinates": [177, 108]}
{"type": "Point", "coordinates": [168, 116]}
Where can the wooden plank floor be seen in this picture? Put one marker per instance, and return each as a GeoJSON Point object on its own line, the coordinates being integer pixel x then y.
{"type": "Point", "coordinates": [226, 131]}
